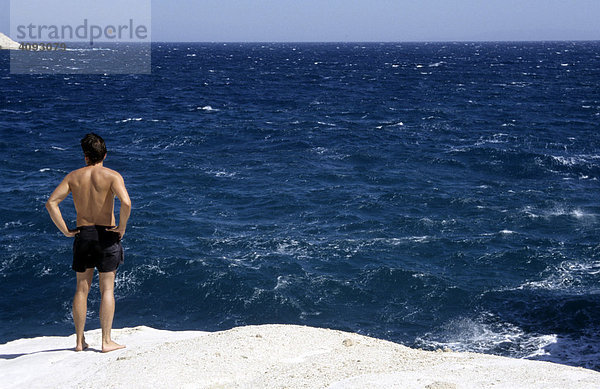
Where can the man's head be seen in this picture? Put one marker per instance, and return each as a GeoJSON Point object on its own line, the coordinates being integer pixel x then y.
{"type": "Point", "coordinates": [94, 148]}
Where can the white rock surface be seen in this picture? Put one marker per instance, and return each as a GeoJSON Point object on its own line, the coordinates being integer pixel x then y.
{"type": "Point", "coordinates": [7, 44]}
{"type": "Point", "coordinates": [267, 356]}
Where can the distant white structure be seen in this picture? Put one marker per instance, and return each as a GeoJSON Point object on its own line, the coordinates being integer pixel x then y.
{"type": "Point", "coordinates": [7, 44]}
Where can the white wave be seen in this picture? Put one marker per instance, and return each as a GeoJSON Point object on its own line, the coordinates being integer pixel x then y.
{"type": "Point", "coordinates": [403, 240]}
{"type": "Point", "coordinates": [500, 137]}
{"type": "Point", "coordinates": [528, 210]}
{"type": "Point", "coordinates": [582, 351]}
{"type": "Point", "coordinates": [436, 64]}
{"type": "Point", "coordinates": [90, 49]}
{"type": "Point", "coordinates": [152, 268]}
{"type": "Point", "coordinates": [45, 271]}
{"type": "Point", "coordinates": [580, 159]}
{"type": "Point", "coordinates": [282, 282]}
{"type": "Point", "coordinates": [221, 173]}
{"type": "Point", "coordinates": [397, 124]}
{"type": "Point", "coordinates": [328, 153]}
{"type": "Point", "coordinates": [558, 211]}
{"type": "Point", "coordinates": [57, 148]}
{"type": "Point", "coordinates": [129, 120]}
{"type": "Point", "coordinates": [16, 223]}
{"type": "Point", "coordinates": [579, 214]}
{"type": "Point", "coordinates": [418, 239]}
{"type": "Point", "coordinates": [484, 334]}
{"type": "Point", "coordinates": [126, 281]}
{"type": "Point", "coordinates": [568, 161]}
{"type": "Point", "coordinates": [293, 248]}
{"type": "Point", "coordinates": [13, 111]}
{"type": "Point", "coordinates": [326, 124]}
{"type": "Point", "coordinates": [487, 334]}
{"type": "Point", "coordinates": [572, 275]}
{"type": "Point", "coordinates": [44, 169]}
{"type": "Point", "coordinates": [207, 108]}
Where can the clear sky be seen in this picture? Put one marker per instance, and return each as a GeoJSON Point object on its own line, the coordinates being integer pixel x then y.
{"type": "Point", "coordinates": [368, 20]}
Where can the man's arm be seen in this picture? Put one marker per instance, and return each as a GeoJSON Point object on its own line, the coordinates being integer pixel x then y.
{"type": "Point", "coordinates": [118, 188]}
{"type": "Point", "coordinates": [59, 194]}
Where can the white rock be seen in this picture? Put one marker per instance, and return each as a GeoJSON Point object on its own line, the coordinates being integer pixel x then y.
{"type": "Point", "coordinates": [7, 44]}
{"type": "Point", "coordinates": [283, 356]}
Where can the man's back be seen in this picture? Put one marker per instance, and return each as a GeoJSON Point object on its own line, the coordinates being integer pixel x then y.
{"type": "Point", "coordinates": [97, 240]}
{"type": "Point", "coordinates": [93, 195]}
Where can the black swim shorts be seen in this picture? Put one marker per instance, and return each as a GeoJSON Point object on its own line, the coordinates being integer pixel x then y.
{"type": "Point", "coordinates": [94, 246]}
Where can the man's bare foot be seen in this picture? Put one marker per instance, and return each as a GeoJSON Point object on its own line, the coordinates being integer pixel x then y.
{"type": "Point", "coordinates": [82, 346]}
{"type": "Point", "coordinates": [111, 346]}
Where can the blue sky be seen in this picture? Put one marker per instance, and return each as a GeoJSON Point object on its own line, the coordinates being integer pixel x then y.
{"type": "Point", "coordinates": [368, 20]}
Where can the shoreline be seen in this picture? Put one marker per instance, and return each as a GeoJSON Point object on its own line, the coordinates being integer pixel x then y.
{"type": "Point", "coordinates": [268, 356]}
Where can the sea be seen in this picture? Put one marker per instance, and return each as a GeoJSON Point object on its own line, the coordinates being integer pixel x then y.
{"type": "Point", "coordinates": [438, 195]}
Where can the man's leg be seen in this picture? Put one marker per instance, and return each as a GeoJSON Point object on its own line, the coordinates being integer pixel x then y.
{"type": "Point", "coordinates": [107, 310]}
{"type": "Point", "coordinates": [84, 281]}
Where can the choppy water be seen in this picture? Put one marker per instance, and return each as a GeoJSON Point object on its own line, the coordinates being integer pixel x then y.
{"type": "Point", "coordinates": [429, 194]}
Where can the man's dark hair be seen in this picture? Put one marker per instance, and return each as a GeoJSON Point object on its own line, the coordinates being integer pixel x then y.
{"type": "Point", "coordinates": [94, 148]}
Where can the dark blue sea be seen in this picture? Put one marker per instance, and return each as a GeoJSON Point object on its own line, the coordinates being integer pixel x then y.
{"type": "Point", "coordinates": [435, 195]}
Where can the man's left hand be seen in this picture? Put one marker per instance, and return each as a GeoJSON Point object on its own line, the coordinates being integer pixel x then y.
{"type": "Point", "coordinates": [71, 233]}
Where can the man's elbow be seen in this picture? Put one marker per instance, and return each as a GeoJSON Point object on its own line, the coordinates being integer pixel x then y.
{"type": "Point", "coordinates": [52, 204]}
{"type": "Point", "coordinates": [126, 203]}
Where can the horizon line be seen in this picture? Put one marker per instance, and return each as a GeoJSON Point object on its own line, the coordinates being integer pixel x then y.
{"type": "Point", "coordinates": [392, 41]}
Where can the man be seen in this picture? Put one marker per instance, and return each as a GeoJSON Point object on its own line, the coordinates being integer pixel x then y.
{"type": "Point", "coordinates": [97, 244]}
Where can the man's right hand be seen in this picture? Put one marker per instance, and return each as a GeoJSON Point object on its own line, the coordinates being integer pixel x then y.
{"type": "Point", "coordinates": [118, 230]}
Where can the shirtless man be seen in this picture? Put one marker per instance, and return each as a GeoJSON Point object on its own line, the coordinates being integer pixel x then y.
{"type": "Point", "coordinates": [97, 241]}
